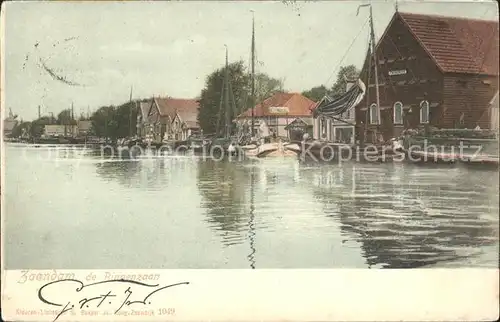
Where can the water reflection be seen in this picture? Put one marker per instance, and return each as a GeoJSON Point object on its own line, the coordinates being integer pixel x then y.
{"type": "Point", "coordinates": [146, 173]}
{"type": "Point", "coordinates": [411, 217]}
{"type": "Point", "coordinates": [223, 186]}
{"type": "Point", "coordinates": [251, 221]}
{"type": "Point", "coordinates": [195, 213]}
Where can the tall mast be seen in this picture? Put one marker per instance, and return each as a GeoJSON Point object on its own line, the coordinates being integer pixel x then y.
{"type": "Point", "coordinates": [253, 73]}
{"type": "Point", "coordinates": [372, 35]}
{"type": "Point", "coordinates": [226, 96]}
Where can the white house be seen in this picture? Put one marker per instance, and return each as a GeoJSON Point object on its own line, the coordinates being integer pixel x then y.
{"type": "Point", "coordinates": [328, 129]}
{"type": "Point", "coordinates": [286, 114]}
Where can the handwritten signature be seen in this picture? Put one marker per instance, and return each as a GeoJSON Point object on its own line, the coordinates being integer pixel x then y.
{"type": "Point", "coordinates": [109, 298]}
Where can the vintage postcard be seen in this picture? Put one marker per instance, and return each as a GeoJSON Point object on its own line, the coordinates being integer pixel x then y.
{"type": "Point", "coordinates": [250, 160]}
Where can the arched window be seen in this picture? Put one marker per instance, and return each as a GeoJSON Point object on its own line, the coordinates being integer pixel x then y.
{"type": "Point", "coordinates": [424, 112]}
{"type": "Point", "coordinates": [373, 114]}
{"type": "Point", "coordinates": [398, 113]}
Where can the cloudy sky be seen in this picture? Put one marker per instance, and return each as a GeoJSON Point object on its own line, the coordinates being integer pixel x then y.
{"type": "Point", "coordinates": [168, 48]}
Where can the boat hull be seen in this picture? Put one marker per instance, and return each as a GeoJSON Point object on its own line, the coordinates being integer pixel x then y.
{"type": "Point", "coordinates": [275, 149]}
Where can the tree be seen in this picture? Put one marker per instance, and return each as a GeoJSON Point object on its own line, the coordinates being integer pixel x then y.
{"type": "Point", "coordinates": [102, 122]}
{"type": "Point", "coordinates": [21, 127]}
{"type": "Point", "coordinates": [349, 72]}
{"type": "Point", "coordinates": [126, 118]}
{"type": "Point", "coordinates": [211, 95]}
{"type": "Point", "coordinates": [210, 98]}
{"type": "Point", "coordinates": [266, 87]}
{"type": "Point", "coordinates": [316, 93]}
{"type": "Point", "coordinates": [65, 117]}
{"type": "Point", "coordinates": [38, 125]}
{"type": "Point", "coordinates": [115, 122]}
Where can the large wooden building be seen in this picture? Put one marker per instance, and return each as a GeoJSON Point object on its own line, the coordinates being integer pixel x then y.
{"type": "Point", "coordinates": [167, 119]}
{"type": "Point", "coordinates": [432, 71]}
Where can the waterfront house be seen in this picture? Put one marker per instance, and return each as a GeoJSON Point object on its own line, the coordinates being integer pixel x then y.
{"type": "Point", "coordinates": [340, 129]}
{"type": "Point", "coordinates": [84, 127]}
{"type": "Point", "coordinates": [60, 130]}
{"type": "Point", "coordinates": [168, 118]}
{"type": "Point", "coordinates": [9, 123]}
{"type": "Point", "coordinates": [432, 71]}
{"type": "Point", "coordinates": [286, 114]}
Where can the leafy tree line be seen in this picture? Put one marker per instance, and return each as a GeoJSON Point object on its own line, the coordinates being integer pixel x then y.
{"type": "Point", "coordinates": [339, 87]}
{"type": "Point", "coordinates": [210, 111]}
{"type": "Point", "coordinates": [107, 121]}
{"type": "Point", "coordinates": [114, 122]}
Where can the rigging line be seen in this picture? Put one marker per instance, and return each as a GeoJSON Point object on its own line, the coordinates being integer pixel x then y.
{"type": "Point", "coordinates": [219, 114]}
{"type": "Point", "coordinates": [347, 51]}
{"type": "Point", "coordinates": [233, 101]}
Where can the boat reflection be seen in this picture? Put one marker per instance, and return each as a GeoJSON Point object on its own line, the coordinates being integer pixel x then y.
{"type": "Point", "coordinates": [411, 217]}
{"type": "Point", "coordinates": [223, 186]}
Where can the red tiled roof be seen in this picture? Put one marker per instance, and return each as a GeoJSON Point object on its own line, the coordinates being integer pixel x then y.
{"type": "Point", "coordinates": [297, 105]}
{"type": "Point", "coordinates": [457, 45]}
{"type": "Point", "coordinates": [186, 108]}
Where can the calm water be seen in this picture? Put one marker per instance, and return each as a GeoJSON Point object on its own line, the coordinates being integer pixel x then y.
{"type": "Point", "coordinates": [75, 210]}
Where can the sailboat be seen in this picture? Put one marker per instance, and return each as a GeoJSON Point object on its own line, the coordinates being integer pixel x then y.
{"type": "Point", "coordinates": [260, 148]}
{"type": "Point", "coordinates": [333, 108]}
{"type": "Point", "coordinates": [225, 142]}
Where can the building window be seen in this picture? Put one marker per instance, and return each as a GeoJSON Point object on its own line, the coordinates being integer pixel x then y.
{"type": "Point", "coordinates": [373, 114]}
{"type": "Point", "coordinates": [398, 113]}
{"type": "Point", "coordinates": [348, 115]}
{"type": "Point", "coordinates": [322, 127]}
{"type": "Point", "coordinates": [424, 112]}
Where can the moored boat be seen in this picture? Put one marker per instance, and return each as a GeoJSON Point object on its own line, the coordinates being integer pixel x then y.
{"type": "Point", "coordinates": [272, 149]}
{"type": "Point", "coordinates": [391, 151]}
{"type": "Point", "coordinates": [467, 147]}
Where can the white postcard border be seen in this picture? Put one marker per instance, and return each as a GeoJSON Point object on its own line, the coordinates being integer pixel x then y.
{"type": "Point", "coordinates": [262, 295]}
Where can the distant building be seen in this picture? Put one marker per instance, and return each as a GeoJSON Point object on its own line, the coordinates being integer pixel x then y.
{"type": "Point", "coordinates": [167, 118]}
{"type": "Point", "coordinates": [9, 124]}
{"type": "Point", "coordinates": [60, 130]}
{"type": "Point", "coordinates": [286, 115]}
{"type": "Point", "coordinates": [84, 127]}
